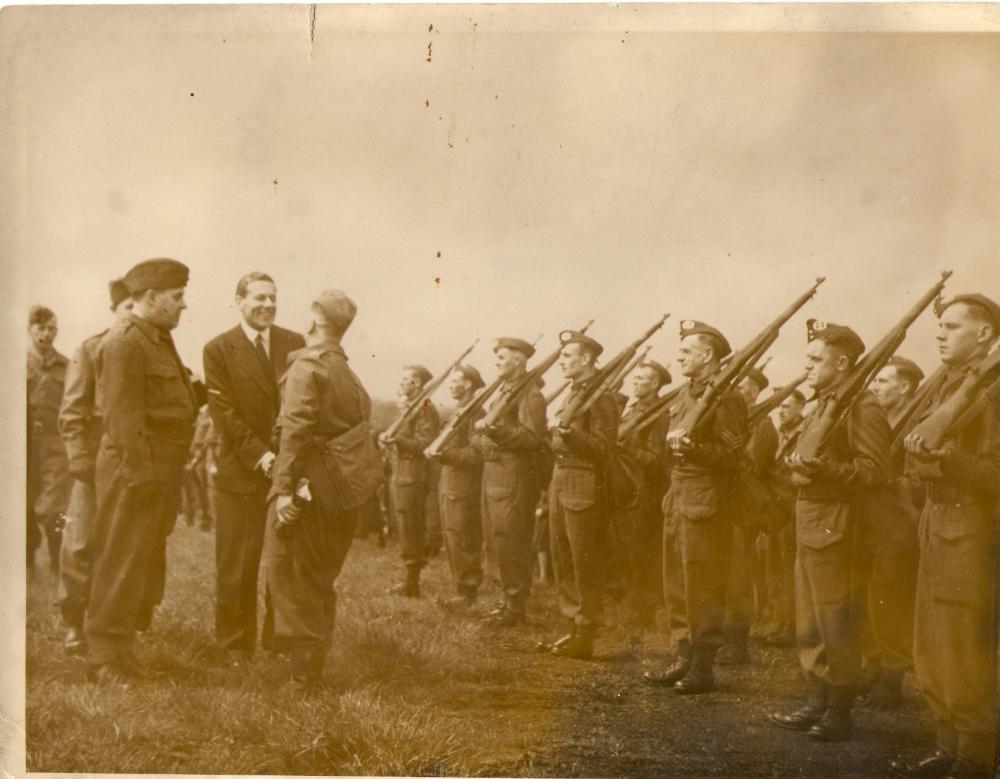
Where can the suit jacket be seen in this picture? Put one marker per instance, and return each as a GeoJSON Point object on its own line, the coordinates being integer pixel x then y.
{"type": "Point", "coordinates": [243, 401]}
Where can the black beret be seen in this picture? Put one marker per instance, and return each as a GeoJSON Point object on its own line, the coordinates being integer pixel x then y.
{"type": "Point", "coordinates": [517, 344]}
{"type": "Point", "coordinates": [975, 299]}
{"type": "Point", "coordinates": [664, 374]}
{"type": "Point", "coordinates": [757, 377]}
{"type": "Point", "coordinates": [158, 273]}
{"type": "Point", "coordinates": [471, 375]}
{"type": "Point", "coordinates": [576, 337]}
{"type": "Point", "coordinates": [420, 372]}
{"type": "Point", "coordinates": [694, 327]}
{"type": "Point", "coordinates": [118, 292]}
{"type": "Point", "coordinates": [906, 368]}
{"type": "Point", "coordinates": [835, 334]}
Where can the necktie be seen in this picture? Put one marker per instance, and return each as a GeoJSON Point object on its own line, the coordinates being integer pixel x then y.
{"type": "Point", "coordinates": [265, 361]}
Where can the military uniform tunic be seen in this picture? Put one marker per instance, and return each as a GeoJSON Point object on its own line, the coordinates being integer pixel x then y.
{"type": "Point", "coordinates": [149, 408]}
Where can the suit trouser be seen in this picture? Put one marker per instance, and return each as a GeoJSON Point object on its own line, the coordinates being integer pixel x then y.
{"type": "Point", "coordinates": [739, 586]}
{"type": "Point", "coordinates": [829, 598]}
{"type": "Point", "coordinates": [579, 537]}
{"type": "Point", "coordinates": [239, 540]}
{"type": "Point", "coordinates": [302, 567]}
{"type": "Point", "coordinates": [76, 558]}
{"type": "Point", "coordinates": [408, 503]}
{"type": "Point", "coordinates": [510, 493]}
{"type": "Point", "coordinates": [635, 529]}
{"type": "Point", "coordinates": [463, 538]}
{"type": "Point", "coordinates": [955, 635]}
{"type": "Point", "coordinates": [130, 543]}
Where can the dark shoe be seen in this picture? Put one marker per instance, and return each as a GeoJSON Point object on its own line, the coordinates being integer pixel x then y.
{"type": "Point", "coordinates": [75, 642]}
{"type": "Point", "coordinates": [505, 618]}
{"type": "Point", "coordinates": [933, 765]}
{"type": "Point", "coordinates": [408, 589]}
{"type": "Point", "coordinates": [579, 645]}
{"type": "Point", "coordinates": [700, 678]}
{"type": "Point", "coordinates": [836, 723]}
{"type": "Point", "coordinates": [457, 603]}
{"type": "Point", "coordinates": [887, 693]}
{"type": "Point", "coordinates": [733, 654]}
{"type": "Point", "coordinates": [783, 637]}
{"type": "Point", "coordinates": [668, 678]}
{"type": "Point", "coordinates": [805, 716]}
{"type": "Point", "coordinates": [237, 658]}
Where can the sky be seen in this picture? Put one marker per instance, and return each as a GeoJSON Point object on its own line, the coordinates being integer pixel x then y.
{"type": "Point", "coordinates": [470, 173]}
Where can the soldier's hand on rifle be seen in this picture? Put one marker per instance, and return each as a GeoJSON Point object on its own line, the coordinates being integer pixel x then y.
{"type": "Point", "coordinates": [384, 439]}
{"type": "Point", "coordinates": [917, 446]}
{"type": "Point", "coordinates": [679, 443]}
{"type": "Point", "coordinates": [265, 463]}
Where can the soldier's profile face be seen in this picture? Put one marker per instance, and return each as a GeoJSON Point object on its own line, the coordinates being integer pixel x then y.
{"type": "Point", "coordinates": [888, 388]}
{"type": "Point", "coordinates": [823, 364]}
{"type": "Point", "coordinates": [459, 386]}
{"type": "Point", "coordinates": [958, 334]}
{"type": "Point", "coordinates": [259, 305]}
{"type": "Point", "coordinates": [692, 355]}
{"type": "Point", "coordinates": [748, 389]}
{"type": "Point", "coordinates": [44, 334]}
{"type": "Point", "coordinates": [166, 306]}
{"type": "Point", "coordinates": [409, 384]}
{"type": "Point", "coordinates": [123, 309]}
{"type": "Point", "coordinates": [645, 383]}
{"type": "Point", "coordinates": [507, 362]}
{"type": "Point", "coordinates": [789, 410]}
{"type": "Point", "coordinates": [573, 361]}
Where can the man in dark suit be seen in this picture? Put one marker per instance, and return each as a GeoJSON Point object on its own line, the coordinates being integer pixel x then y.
{"type": "Point", "coordinates": [242, 369]}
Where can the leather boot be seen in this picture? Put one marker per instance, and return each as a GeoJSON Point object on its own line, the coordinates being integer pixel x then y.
{"type": "Point", "coordinates": [807, 715]}
{"type": "Point", "coordinates": [699, 678]}
{"type": "Point", "coordinates": [733, 654]}
{"type": "Point", "coordinates": [410, 586]}
{"type": "Point", "coordinates": [579, 644]}
{"type": "Point", "coordinates": [675, 671]}
{"type": "Point", "coordinates": [836, 722]}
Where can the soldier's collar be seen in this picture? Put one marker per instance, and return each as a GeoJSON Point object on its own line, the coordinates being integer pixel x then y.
{"type": "Point", "coordinates": [148, 329]}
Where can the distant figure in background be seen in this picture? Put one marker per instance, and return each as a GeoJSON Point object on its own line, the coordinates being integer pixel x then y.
{"type": "Point", "coordinates": [149, 407]}
{"type": "Point", "coordinates": [81, 426]}
{"type": "Point", "coordinates": [410, 476]}
{"type": "Point", "coordinates": [197, 507]}
{"type": "Point", "coordinates": [48, 480]}
{"type": "Point", "coordinates": [242, 369]}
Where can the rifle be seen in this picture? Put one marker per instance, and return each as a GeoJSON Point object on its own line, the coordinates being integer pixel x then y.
{"type": "Point", "coordinates": [510, 395]}
{"type": "Point", "coordinates": [607, 377]}
{"type": "Point", "coordinates": [835, 413]}
{"type": "Point", "coordinates": [740, 364]}
{"type": "Point", "coordinates": [972, 395]}
{"type": "Point", "coordinates": [417, 403]}
{"type": "Point", "coordinates": [759, 410]}
{"type": "Point", "coordinates": [657, 409]}
{"type": "Point", "coordinates": [464, 414]}
{"type": "Point", "coordinates": [919, 399]}
{"type": "Point", "coordinates": [557, 392]}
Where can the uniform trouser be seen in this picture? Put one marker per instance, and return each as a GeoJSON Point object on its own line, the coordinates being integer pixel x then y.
{"type": "Point", "coordinates": [579, 536]}
{"type": "Point", "coordinates": [463, 538]}
{"type": "Point", "coordinates": [76, 558]}
{"type": "Point", "coordinates": [302, 566]}
{"type": "Point", "coordinates": [891, 564]}
{"type": "Point", "coordinates": [635, 530]}
{"type": "Point", "coordinates": [433, 521]}
{"type": "Point", "coordinates": [829, 598]}
{"type": "Point", "coordinates": [239, 539]}
{"type": "Point", "coordinates": [408, 503]}
{"type": "Point", "coordinates": [673, 582]}
{"type": "Point", "coordinates": [48, 491]}
{"type": "Point", "coordinates": [739, 586]}
{"type": "Point", "coordinates": [780, 554]}
{"type": "Point", "coordinates": [130, 535]}
{"type": "Point", "coordinates": [955, 631]}
{"type": "Point", "coordinates": [704, 548]}
{"type": "Point", "coordinates": [510, 493]}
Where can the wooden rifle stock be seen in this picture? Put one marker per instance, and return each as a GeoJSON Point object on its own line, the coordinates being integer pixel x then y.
{"type": "Point", "coordinates": [656, 410]}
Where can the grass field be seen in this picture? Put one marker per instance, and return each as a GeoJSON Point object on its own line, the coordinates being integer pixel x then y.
{"type": "Point", "coordinates": [413, 690]}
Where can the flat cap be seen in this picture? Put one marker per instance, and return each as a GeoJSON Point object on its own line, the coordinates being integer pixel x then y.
{"type": "Point", "coordinates": [576, 337]}
{"type": "Point", "coordinates": [756, 375]}
{"type": "Point", "coordinates": [338, 309]}
{"type": "Point", "coordinates": [906, 368]}
{"type": "Point", "coordinates": [839, 335]}
{"type": "Point", "coordinates": [517, 344]}
{"type": "Point", "coordinates": [420, 372]}
{"type": "Point", "coordinates": [471, 375]}
{"type": "Point", "coordinates": [158, 273]}
{"type": "Point", "coordinates": [694, 327]}
{"type": "Point", "coordinates": [974, 299]}
{"type": "Point", "coordinates": [39, 315]}
{"type": "Point", "coordinates": [661, 370]}
{"type": "Point", "coordinates": [118, 292]}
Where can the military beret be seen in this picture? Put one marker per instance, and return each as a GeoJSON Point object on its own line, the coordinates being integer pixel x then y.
{"type": "Point", "coordinates": [576, 337]}
{"type": "Point", "coordinates": [906, 368]}
{"type": "Point", "coordinates": [693, 327]}
{"type": "Point", "coordinates": [118, 292]}
{"type": "Point", "coordinates": [420, 372]}
{"type": "Point", "coordinates": [158, 273]}
{"type": "Point", "coordinates": [39, 315]}
{"type": "Point", "coordinates": [517, 344]}
{"type": "Point", "coordinates": [975, 299]}
{"type": "Point", "coordinates": [338, 309]}
{"type": "Point", "coordinates": [662, 372]}
{"type": "Point", "coordinates": [471, 375]}
{"type": "Point", "coordinates": [835, 334]}
{"type": "Point", "coordinates": [757, 377]}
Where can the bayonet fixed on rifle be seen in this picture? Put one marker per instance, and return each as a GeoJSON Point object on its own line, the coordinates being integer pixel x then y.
{"type": "Point", "coordinates": [417, 403]}
{"type": "Point", "coordinates": [834, 413]}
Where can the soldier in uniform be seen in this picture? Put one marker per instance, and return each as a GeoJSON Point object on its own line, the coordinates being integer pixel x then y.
{"type": "Point", "coordinates": [637, 522]}
{"type": "Point", "coordinates": [758, 462]}
{"type": "Point", "coordinates": [242, 368]}
{"type": "Point", "coordinates": [828, 513]}
{"type": "Point", "coordinates": [698, 510]}
{"type": "Point", "coordinates": [81, 428]}
{"type": "Point", "coordinates": [48, 469]}
{"type": "Point", "coordinates": [890, 536]}
{"type": "Point", "coordinates": [410, 477]}
{"type": "Point", "coordinates": [460, 494]}
{"type": "Point", "coordinates": [779, 538]}
{"type": "Point", "coordinates": [955, 631]}
{"type": "Point", "coordinates": [578, 496]}
{"type": "Point", "coordinates": [149, 408]}
{"type": "Point", "coordinates": [307, 541]}
{"type": "Point", "coordinates": [511, 482]}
